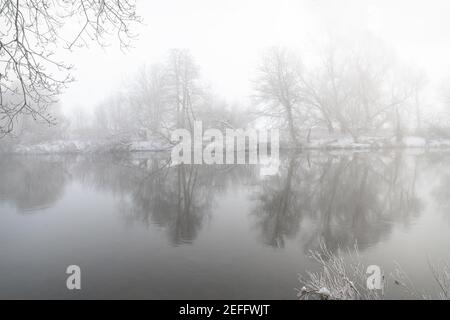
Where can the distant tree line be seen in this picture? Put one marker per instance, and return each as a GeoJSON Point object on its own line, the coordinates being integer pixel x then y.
{"type": "Point", "coordinates": [344, 89]}
{"type": "Point", "coordinates": [349, 88]}
{"type": "Point", "coordinates": [160, 98]}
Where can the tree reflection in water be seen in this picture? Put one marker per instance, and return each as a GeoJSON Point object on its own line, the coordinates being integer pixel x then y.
{"type": "Point", "coordinates": [341, 198]}
{"type": "Point", "coordinates": [33, 182]}
{"type": "Point", "coordinates": [177, 198]}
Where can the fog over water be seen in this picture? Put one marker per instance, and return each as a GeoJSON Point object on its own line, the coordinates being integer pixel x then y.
{"type": "Point", "coordinates": [99, 102]}
{"type": "Point", "coordinates": [229, 232]}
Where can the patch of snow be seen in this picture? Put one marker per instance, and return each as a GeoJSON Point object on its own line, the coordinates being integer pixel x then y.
{"type": "Point", "coordinates": [269, 167]}
{"type": "Point", "coordinates": [414, 142]}
{"type": "Point", "coordinates": [148, 146]}
{"type": "Point", "coordinates": [51, 147]}
{"type": "Point", "coordinates": [324, 292]}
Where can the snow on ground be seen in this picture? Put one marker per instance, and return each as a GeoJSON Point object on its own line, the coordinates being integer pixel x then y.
{"type": "Point", "coordinates": [52, 147]}
{"type": "Point", "coordinates": [61, 146]}
{"type": "Point", "coordinates": [415, 142]}
{"type": "Point", "coordinates": [148, 146]}
{"type": "Point", "coordinates": [377, 143]}
{"type": "Point", "coordinates": [341, 143]}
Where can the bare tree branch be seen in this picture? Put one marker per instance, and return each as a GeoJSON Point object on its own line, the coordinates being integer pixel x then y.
{"type": "Point", "coordinates": [30, 33]}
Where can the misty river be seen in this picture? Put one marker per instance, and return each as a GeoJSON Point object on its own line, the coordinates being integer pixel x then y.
{"type": "Point", "coordinates": [141, 228]}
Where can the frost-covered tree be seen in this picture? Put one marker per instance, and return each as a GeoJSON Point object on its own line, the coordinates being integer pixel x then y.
{"type": "Point", "coordinates": [32, 33]}
{"type": "Point", "coordinates": [278, 91]}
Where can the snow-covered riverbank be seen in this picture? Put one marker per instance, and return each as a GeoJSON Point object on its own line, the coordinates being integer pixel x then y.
{"type": "Point", "coordinates": [377, 143]}
{"type": "Point", "coordinates": [62, 146]}
{"type": "Point", "coordinates": [345, 143]}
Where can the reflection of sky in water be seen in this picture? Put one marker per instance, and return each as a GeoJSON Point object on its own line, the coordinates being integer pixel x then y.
{"type": "Point", "coordinates": [141, 231]}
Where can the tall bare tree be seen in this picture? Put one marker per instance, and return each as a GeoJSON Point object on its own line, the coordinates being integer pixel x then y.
{"type": "Point", "coordinates": [183, 76]}
{"type": "Point", "coordinates": [150, 97]}
{"type": "Point", "coordinates": [278, 89]}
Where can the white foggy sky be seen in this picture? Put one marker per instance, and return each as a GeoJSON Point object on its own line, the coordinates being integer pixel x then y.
{"type": "Point", "coordinates": [226, 39]}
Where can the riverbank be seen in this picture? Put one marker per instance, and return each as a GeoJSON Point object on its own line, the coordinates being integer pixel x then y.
{"type": "Point", "coordinates": [75, 147]}
{"type": "Point", "coordinates": [377, 143]}
{"type": "Point", "coordinates": [343, 275]}
{"type": "Point", "coordinates": [104, 146]}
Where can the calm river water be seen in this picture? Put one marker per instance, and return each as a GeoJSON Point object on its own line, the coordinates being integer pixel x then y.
{"type": "Point", "coordinates": [139, 228]}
